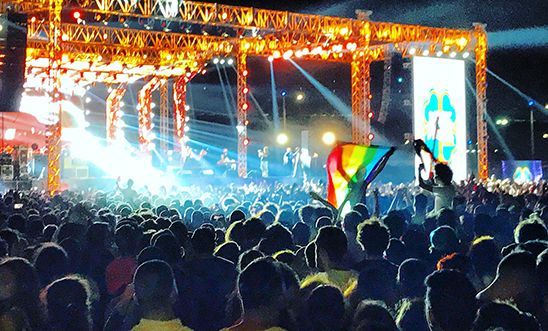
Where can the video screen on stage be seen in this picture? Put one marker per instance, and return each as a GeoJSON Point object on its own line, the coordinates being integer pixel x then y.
{"type": "Point", "coordinates": [440, 110]}
{"type": "Point", "coordinates": [523, 171]}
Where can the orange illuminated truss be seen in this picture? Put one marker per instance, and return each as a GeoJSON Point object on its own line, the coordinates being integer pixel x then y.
{"type": "Point", "coordinates": [99, 48]}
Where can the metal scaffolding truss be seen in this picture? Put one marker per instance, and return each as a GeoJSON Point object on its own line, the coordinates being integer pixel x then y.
{"type": "Point", "coordinates": [102, 47]}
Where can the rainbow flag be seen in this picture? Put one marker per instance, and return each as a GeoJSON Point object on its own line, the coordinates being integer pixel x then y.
{"type": "Point", "coordinates": [350, 169]}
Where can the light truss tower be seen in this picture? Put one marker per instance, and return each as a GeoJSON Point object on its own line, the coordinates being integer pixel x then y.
{"type": "Point", "coordinates": [360, 83]}
{"type": "Point", "coordinates": [481, 99]}
{"type": "Point", "coordinates": [243, 106]}
{"type": "Point", "coordinates": [113, 112]}
{"type": "Point", "coordinates": [164, 118]}
{"type": "Point", "coordinates": [55, 127]}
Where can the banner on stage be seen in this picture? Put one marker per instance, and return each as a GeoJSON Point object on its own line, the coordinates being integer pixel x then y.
{"type": "Point", "coordinates": [440, 110]}
{"type": "Point", "coordinates": [522, 171]}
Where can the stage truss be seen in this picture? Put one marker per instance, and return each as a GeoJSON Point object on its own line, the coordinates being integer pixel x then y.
{"type": "Point", "coordinates": [161, 43]}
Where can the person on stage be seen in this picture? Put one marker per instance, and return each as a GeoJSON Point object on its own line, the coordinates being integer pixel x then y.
{"type": "Point", "coordinates": [288, 161]}
{"type": "Point", "coordinates": [263, 157]}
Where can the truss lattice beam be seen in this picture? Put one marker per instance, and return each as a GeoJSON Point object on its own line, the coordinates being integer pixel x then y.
{"type": "Point", "coordinates": [481, 99]}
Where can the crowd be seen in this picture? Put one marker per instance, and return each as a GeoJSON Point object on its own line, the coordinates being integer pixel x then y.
{"type": "Point", "coordinates": [472, 256]}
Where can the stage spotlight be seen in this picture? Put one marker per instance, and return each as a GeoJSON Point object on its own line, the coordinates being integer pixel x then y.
{"type": "Point", "coordinates": [412, 50]}
{"type": "Point", "coordinates": [465, 55]}
{"type": "Point", "coordinates": [88, 100]}
{"type": "Point", "coordinates": [270, 58]}
{"type": "Point", "coordinates": [215, 60]}
{"type": "Point", "coordinates": [288, 54]}
{"type": "Point", "coordinates": [230, 62]}
{"type": "Point", "coordinates": [371, 136]}
{"type": "Point", "coordinates": [329, 138]}
{"type": "Point", "coordinates": [453, 54]}
{"type": "Point", "coordinates": [282, 139]}
{"type": "Point", "coordinates": [277, 54]}
{"type": "Point", "coordinates": [283, 93]}
{"type": "Point", "coordinates": [222, 61]}
{"type": "Point", "coordinates": [77, 15]}
{"type": "Point", "coordinates": [439, 53]}
{"type": "Point", "coordinates": [531, 103]}
{"type": "Point", "coordinates": [300, 96]}
{"type": "Point", "coordinates": [425, 52]}
{"type": "Point", "coordinates": [400, 80]}
{"type": "Point", "coordinates": [152, 105]}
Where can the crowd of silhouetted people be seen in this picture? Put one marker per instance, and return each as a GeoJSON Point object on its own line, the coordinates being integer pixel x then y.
{"type": "Point", "coordinates": [269, 257]}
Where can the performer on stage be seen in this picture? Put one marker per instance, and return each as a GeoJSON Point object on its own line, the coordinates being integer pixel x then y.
{"type": "Point", "coordinates": [263, 157]}
{"type": "Point", "coordinates": [288, 161]}
{"type": "Point", "coordinates": [225, 164]}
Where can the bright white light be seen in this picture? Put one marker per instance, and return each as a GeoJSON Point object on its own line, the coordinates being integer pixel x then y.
{"type": "Point", "coordinates": [187, 119]}
{"type": "Point", "coordinates": [152, 136]}
{"type": "Point", "coordinates": [270, 58]}
{"type": "Point", "coordinates": [152, 105]}
{"type": "Point", "coordinates": [222, 61]}
{"type": "Point", "coordinates": [122, 104]}
{"type": "Point", "coordinates": [88, 112]}
{"type": "Point", "coordinates": [412, 50]}
{"type": "Point", "coordinates": [240, 128]}
{"type": "Point", "coordinates": [287, 55]}
{"type": "Point", "coordinates": [152, 115]}
{"type": "Point", "coordinates": [215, 60]}
{"type": "Point", "coordinates": [425, 52]}
{"type": "Point", "coordinates": [187, 107]}
{"type": "Point", "coordinates": [465, 55]}
{"type": "Point", "coordinates": [329, 138]}
{"type": "Point", "coordinates": [439, 53]}
{"type": "Point", "coordinates": [88, 100]}
{"type": "Point", "coordinates": [300, 96]}
{"type": "Point", "coordinates": [9, 134]}
{"type": "Point", "coordinates": [186, 129]}
{"type": "Point", "coordinates": [230, 62]}
{"type": "Point", "coordinates": [453, 54]}
{"type": "Point", "coordinates": [282, 139]}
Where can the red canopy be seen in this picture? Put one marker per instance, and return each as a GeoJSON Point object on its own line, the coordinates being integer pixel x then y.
{"type": "Point", "coordinates": [21, 129]}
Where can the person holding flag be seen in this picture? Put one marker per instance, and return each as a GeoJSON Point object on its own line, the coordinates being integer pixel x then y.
{"type": "Point", "coordinates": [439, 182]}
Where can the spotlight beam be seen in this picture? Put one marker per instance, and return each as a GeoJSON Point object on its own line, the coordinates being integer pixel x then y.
{"type": "Point", "coordinates": [494, 129]}
{"type": "Point", "coordinates": [229, 87]}
{"type": "Point", "coordinates": [518, 91]}
{"type": "Point", "coordinates": [329, 96]}
{"type": "Point", "coordinates": [275, 110]}
{"type": "Point", "coordinates": [227, 103]}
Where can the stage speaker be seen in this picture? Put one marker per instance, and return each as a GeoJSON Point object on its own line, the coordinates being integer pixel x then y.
{"type": "Point", "coordinates": [13, 49]}
{"type": "Point", "coordinates": [6, 172]}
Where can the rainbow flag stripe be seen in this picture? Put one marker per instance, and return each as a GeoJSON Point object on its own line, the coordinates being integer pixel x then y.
{"type": "Point", "coordinates": [349, 166]}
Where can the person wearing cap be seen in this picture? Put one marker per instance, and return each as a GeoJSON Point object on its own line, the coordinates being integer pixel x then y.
{"type": "Point", "coordinates": [516, 280]}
